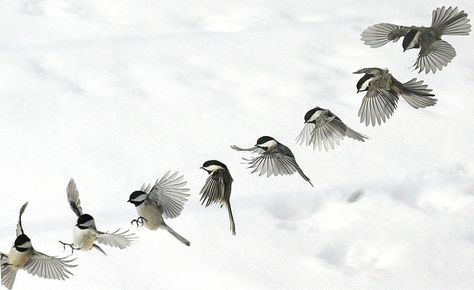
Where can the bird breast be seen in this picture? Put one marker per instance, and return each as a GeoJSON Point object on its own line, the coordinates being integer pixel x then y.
{"type": "Point", "coordinates": [152, 215]}
{"type": "Point", "coordinates": [84, 238]}
{"type": "Point", "coordinates": [18, 259]}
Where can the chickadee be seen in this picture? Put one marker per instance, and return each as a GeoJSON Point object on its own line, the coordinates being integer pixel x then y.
{"type": "Point", "coordinates": [85, 231]}
{"type": "Point", "coordinates": [23, 256]}
{"type": "Point", "coordinates": [274, 158]}
{"type": "Point", "coordinates": [165, 199]}
{"type": "Point", "coordinates": [218, 187]}
{"type": "Point", "coordinates": [322, 127]}
{"type": "Point", "coordinates": [382, 95]}
{"type": "Point", "coordinates": [434, 52]}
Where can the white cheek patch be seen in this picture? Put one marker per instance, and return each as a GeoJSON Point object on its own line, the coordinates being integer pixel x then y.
{"type": "Point", "coordinates": [25, 245]}
{"type": "Point", "coordinates": [415, 40]}
{"type": "Point", "coordinates": [269, 144]}
{"type": "Point", "coordinates": [89, 224]}
{"type": "Point", "coordinates": [315, 115]}
{"type": "Point", "coordinates": [141, 197]}
{"type": "Point", "coordinates": [365, 85]}
{"type": "Point", "coordinates": [213, 168]}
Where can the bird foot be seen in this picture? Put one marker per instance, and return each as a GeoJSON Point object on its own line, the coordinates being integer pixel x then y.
{"type": "Point", "coordinates": [139, 221]}
{"type": "Point", "coordinates": [69, 245]}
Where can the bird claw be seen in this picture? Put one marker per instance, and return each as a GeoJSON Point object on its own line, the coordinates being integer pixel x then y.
{"type": "Point", "coordinates": [69, 245]}
{"type": "Point", "coordinates": [139, 221]}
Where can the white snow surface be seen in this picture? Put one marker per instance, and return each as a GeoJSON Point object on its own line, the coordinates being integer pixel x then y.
{"type": "Point", "coordinates": [116, 92]}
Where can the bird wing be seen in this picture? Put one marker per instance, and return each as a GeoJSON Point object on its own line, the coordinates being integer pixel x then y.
{"type": "Point", "coordinates": [116, 239]}
{"type": "Point", "coordinates": [370, 70]}
{"type": "Point", "coordinates": [377, 106]}
{"type": "Point", "coordinates": [448, 21]}
{"type": "Point", "coordinates": [49, 267]}
{"type": "Point", "coordinates": [435, 56]}
{"type": "Point", "coordinates": [217, 185]}
{"type": "Point", "coordinates": [272, 162]}
{"type": "Point", "coordinates": [382, 33]}
{"type": "Point", "coordinates": [73, 197]}
{"type": "Point", "coordinates": [19, 227]}
{"type": "Point", "coordinates": [305, 134]}
{"type": "Point", "coordinates": [8, 275]}
{"type": "Point", "coordinates": [254, 149]}
{"type": "Point", "coordinates": [170, 194]}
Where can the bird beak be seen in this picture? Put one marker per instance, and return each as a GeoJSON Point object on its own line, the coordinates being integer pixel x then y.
{"type": "Point", "coordinates": [358, 91]}
{"type": "Point", "coordinates": [128, 200]}
{"type": "Point", "coordinates": [201, 167]}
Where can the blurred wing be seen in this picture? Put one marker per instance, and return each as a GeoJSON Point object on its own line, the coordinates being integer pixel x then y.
{"type": "Point", "coordinates": [254, 149]}
{"type": "Point", "coordinates": [214, 188]}
{"type": "Point", "coordinates": [116, 239]}
{"type": "Point", "coordinates": [305, 135]}
{"type": "Point", "coordinates": [19, 227]}
{"type": "Point", "coordinates": [370, 70]}
{"type": "Point", "coordinates": [273, 163]}
{"type": "Point", "coordinates": [434, 57]}
{"type": "Point", "coordinates": [48, 267]}
{"type": "Point", "coordinates": [377, 106]}
{"type": "Point", "coordinates": [73, 198]}
{"type": "Point", "coordinates": [8, 275]}
{"type": "Point", "coordinates": [329, 131]}
{"type": "Point", "coordinates": [382, 33]}
{"type": "Point", "coordinates": [169, 193]}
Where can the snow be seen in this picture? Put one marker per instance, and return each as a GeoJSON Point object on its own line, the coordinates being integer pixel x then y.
{"type": "Point", "coordinates": [116, 93]}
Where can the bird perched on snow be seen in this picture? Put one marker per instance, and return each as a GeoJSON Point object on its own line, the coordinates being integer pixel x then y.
{"type": "Point", "coordinates": [382, 95]}
{"type": "Point", "coordinates": [23, 256]}
{"type": "Point", "coordinates": [165, 199]}
{"type": "Point", "coordinates": [273, 158]}
{"type": "Point", "coordinates": [435, 53]}
{"type": "Point", "coordinates": [218, 187]}
{"type": "Point", "coordinates": [323, 129]}
{"type": "Point", "coordinates": [85, 232]}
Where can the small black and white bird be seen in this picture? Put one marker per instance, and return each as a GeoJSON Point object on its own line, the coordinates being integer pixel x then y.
{"type": "Point", "coordinates": [85, 232]}
{"type": "Point", "coordinates": [435, 53]}
{"type": "Point", "coordinates": [23, 256]}
{"type": "Point", "coordinates": [273, 158]}
{"type": "Point", "coordinates": [218, 187]}
{"type": "Point", "coordinates": [166, 199]}
{"type": "Point", "coordinates": [324, 129]}
{"type": "Point", "coordinates": [383, 91]}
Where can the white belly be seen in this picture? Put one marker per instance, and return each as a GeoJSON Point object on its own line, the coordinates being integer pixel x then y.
{"type": "Point", "coordinates": [18, 259]}
{"type": "Point", "coordinates": [84, 239]}
{"type": "Point", "coordinates": [153, 216]}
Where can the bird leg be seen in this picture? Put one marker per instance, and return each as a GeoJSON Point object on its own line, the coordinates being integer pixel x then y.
{"type": "Point", "coordinates": [69, 245]}
{"type": "Point", "coordinates": [139, 221]}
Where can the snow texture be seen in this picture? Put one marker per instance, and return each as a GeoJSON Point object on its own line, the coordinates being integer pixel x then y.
{"type": "Point", "coordinates": [116, 92]}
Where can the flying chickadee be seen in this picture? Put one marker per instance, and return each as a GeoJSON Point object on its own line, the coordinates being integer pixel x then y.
{"type": "Point", "coordinates": [323, 129]}
{"type": "Point", "coordinates": [218, 187]}
{"type": "Point", "coordinates": [382, 95]}
{"type": "Point", "coordinates": [434, 52]}
{"type": "Point", "coordinates": [23, 256]}
{"type": "Point", "coordinates": [165, 199]}
{"type": "Point", "coordinates": [85, 231]}
{"type": "Point", "coordinates": [274, 158]}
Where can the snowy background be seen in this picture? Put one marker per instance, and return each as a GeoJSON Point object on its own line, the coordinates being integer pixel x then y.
{"type": "Point", "coordinates": [114, 93]}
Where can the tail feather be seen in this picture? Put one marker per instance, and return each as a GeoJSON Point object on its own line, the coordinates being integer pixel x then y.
{"type": "Point", "coordinates": [8, 276]}
{"type": "Point", "coordinates": [417, 94]}
{"type": "Point", "coordinates": [304, 176]}
{"type": "Point", "coordinates": [177, 236]}
{"type": "Point", "coordinates": [451, 22]}
{"type": "Point", "coordinates": [231, 218]}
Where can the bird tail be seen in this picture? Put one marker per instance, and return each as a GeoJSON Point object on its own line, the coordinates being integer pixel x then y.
{"type": "Point", "coordinates": [177, 236]}
{"type": "Point", "coordinates": [8, 274]}
{"type": "Point", "coordinates": [417, 94]}
{"type": "Point", "coordinates": [451, 22]}
{"type": "Point", "coordinates": [231, 218]}
{"type": "Point", "coordinates": [304, 176]}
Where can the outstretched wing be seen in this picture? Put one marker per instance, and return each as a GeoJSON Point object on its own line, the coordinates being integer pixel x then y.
{"type": "Point", "coordinates": [116, 239]}
{"type": "Point", "coordinates": [448, 21]}
{"type": "Point", "coordinates": [434, 57]}
{"type": "Point", "coordinates": [73, 197]}
{"type": "Point", "coordinates": [382, 33]}
{"type": "Point", "coordinates": [8, 274]}
{"type": "Point", "coordinates": [49, 267]}
{"type": "Point", "coordinates": [217, 185]}
{"type": "Point", "coordinates": [377, 106]}
{"type": "Point", "coordinates": [170, 194]}
{"type": "Point", "coordinates": [370, 71]}
{"type": "Point", "coordinates": [305, 134]}
{"type": "Point", "coordinates": [271, 162]}
{"type": "Point", "coordinates": [19, 227]}
{"type": "Point", "coordinates": [254, 149]}
{"type": "Point", "coordinates": [330, 130]}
